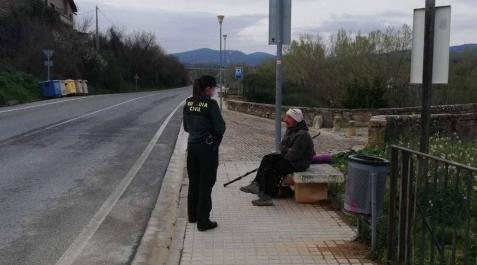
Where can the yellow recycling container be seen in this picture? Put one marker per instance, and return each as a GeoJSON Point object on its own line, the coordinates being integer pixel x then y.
{"type": "Point", "coordinates": [70, 87]}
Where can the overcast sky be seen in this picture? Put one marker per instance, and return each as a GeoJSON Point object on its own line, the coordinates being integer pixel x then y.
{"type": "Point", "coordinates": [182, 25]}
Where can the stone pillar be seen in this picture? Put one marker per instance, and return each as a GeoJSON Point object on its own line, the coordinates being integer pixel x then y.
{"type": "Point", "coordinates": [337, 122]}
{"type": "Point", "coordinates": [376, 131]}
{"type": "Point", "coordinates": [351, 131]}
{"type": "Point", "coordinates": [318, 122]}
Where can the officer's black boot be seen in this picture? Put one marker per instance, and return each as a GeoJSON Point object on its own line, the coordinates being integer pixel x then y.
{"type": "Point", "coordinates": [206, 226]}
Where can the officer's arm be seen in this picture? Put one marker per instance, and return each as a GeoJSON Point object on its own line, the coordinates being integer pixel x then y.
{"type": "Point", "coordinates": [184, 117]}
{"type": "Point", "coordinates": [217, 120]}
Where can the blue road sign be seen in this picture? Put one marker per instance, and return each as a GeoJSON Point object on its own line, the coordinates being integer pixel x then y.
{"type": "Point", "coordinates": [238, 73]}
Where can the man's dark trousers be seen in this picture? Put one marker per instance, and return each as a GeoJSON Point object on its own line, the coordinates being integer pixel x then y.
{"type": "Point", "coordinates": [270, 173]}
{"type": "Point", "coordinates": [202, 163]}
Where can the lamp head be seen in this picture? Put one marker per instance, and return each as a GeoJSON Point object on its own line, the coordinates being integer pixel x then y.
{"type": "Point", "coordinates": [220, 18]}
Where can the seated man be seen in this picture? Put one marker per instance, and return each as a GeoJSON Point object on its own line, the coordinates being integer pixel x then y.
{"type": "Point", "coordinates": [296, 152]}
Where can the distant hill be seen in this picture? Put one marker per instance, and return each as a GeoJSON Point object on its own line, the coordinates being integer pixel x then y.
{"type": "Point", "coordinates": [209, 56]}
{"type": "Point", "coordinates": [462, 48]}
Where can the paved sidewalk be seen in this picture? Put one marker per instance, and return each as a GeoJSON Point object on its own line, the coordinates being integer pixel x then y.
{"type": "Point", "coordinates": [288, 233]}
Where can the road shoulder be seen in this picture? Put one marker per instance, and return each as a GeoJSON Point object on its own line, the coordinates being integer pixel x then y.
{"type": "Point", "coordinates": [155, 246]}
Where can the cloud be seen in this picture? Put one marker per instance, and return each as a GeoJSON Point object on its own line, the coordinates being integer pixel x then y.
{"type": "Point", "coordinates": [184, 24]}
{"type": "Point", "coordinates": [359, 23]}
{"type": "Point", "coordinates": [179, 31]}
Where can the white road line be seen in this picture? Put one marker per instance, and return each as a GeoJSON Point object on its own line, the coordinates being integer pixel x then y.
{"type": "Point", "coordinates": [86, 115]}
{"type": "Point", "coordinates": [75, 249]}
{"type": "Point", "coordinates": [41, 105]}
{"type": "Point", "coordinates": [95, 112]}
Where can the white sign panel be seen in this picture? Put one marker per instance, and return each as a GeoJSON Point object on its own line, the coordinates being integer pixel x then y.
{"type": "Point", "coordinates": [48, 63]}
{"type": "Point", "coordinates": [48, 53]}
{"type": "Point", "coordinates": [440, 72]}
{"type": "Point", "coordinates": [275, 21]}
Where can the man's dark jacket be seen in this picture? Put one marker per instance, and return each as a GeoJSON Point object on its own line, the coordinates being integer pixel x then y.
{"type": "Point", "coordinates": [297, 147]}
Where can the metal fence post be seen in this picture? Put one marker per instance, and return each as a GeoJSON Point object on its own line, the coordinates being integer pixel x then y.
{"type": "Point", "coordinates": [403, 208]}
{"type": "Point", "coordinates": [373, 211]}
{"type": "Point", "coordinates": [392, 204]}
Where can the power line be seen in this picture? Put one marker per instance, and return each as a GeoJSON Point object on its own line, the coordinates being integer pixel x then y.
{"type": "Point", "coordinates": [85, 12]}
{"type": "Point", "coordinates": [106, 17]}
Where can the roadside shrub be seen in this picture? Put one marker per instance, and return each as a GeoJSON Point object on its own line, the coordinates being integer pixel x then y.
{"type": "Point", "coordinates": [19, 87]}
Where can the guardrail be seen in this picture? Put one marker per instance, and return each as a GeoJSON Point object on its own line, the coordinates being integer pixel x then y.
{"type": "Point", "coordinates": [432, 210]}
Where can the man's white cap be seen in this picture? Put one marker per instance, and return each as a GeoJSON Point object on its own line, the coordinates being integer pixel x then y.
{"type": "Point", "coordinates": [296, 114]}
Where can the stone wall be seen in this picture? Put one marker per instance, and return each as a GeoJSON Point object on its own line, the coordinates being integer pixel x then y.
{"type": "Point", "coordinates": [387, 128]}
{"type": "Point", "coordinates": [361, 117]}
{"type": "Point", "coordinates": [464, 125]}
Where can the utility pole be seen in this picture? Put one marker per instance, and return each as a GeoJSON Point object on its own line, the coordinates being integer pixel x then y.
{"type": "Point", "coordinates": [278, 96]}
{"type": "Point", "coordinates": [97, 30]}
{"type": "Point", "coordinates": [427, 74]}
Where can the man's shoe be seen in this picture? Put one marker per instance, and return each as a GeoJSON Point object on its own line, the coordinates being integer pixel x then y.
{"type": "Point", "coordinates": [191, 220]}
{"type": "Point", "coordinates": [251, 188]}
{"type": "Point", "coordinates": [208, 226]}
{"type": "Point", "coordinates": [264, 200]}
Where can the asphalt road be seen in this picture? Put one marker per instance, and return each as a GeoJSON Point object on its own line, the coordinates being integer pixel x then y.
{"type": "Point", "coordinates": [72, 188]}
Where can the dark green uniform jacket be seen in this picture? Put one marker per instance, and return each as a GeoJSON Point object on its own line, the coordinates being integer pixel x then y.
{"type": "Point", "coordinates": [297, 147]}
{"type": "Point", "coordinates": [202, 119]}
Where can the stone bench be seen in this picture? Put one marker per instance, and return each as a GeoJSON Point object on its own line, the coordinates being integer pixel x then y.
{"type": "Point", "coordinates": [312, 185]}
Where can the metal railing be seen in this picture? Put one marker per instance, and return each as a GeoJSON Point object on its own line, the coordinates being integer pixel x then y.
{"type": "Point", "coordinates": [432, 210]}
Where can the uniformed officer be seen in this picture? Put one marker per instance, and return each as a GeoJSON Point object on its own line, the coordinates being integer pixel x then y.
{"type": "Point", "coordinates": [205, 125]}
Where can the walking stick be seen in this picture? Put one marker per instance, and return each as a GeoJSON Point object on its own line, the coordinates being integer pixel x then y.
{"type": "Point", "coordinates": [241, 177]}
{"type": "Point", "coordinates": [255, 170]}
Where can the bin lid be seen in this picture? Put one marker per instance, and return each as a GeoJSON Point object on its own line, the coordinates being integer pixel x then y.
{"type": "Point", "coordinates": [368, 160]}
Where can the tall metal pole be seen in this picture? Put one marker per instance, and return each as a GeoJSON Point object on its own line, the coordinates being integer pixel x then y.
{"type": "Point", "coordinates": [278, 97]}
{"type": "Point", "coordinates": [225, 56]}
{"type": "Point", "coordinates": [221, 20]}
{"type": "Point", "coordinates": [97, 30]}
{"type": "Point", "coordinates": [225, 50]}
{"type": "Point", "coordinates": [49, 64]}
{"type": "Point", "coordinates": [220, 54]}
{"type": "Point", "coordinates": [427, 74]}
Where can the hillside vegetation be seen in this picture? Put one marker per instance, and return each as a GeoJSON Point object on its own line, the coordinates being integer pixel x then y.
{"type": "Point", "coordinates": [32, 27]}
{"type": "Point", "coordinates": [17, 87]}
{"type": "Point", "coordinates": [356, 70]}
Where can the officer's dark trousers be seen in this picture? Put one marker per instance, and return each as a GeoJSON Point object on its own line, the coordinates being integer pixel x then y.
{"type": "Point", "coordinates": [270, 173]}
{"type": "Point", "coordinates": [202, 163]}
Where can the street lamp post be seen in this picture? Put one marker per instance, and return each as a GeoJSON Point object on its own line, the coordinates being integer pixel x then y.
{"type": "Point", "coordinates": [221, 20]}
{"type": "Point", "coordinates": [225, 54]}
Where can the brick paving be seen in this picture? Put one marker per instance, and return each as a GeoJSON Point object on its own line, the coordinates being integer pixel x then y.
{"type": "Point", "coordinates": [248, 138]}
{"type": "Point", "coordinates": [287, 233]}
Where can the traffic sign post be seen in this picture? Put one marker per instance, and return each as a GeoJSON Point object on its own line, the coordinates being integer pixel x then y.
{"type": "Point", "coordinates": [430, 58]}
{"type": "Point", "coordinates": [136, 77]}
{"type": "Point", "coordinates": [279, 34]}
{"type": "Point", "coordinates": [48, 63]}
{"type": "Point", "coordinates": [280, 22]}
